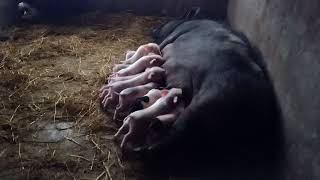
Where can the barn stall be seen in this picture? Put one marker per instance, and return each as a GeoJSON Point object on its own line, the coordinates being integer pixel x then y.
{"type": "Point", "coordinates": [52, 125]}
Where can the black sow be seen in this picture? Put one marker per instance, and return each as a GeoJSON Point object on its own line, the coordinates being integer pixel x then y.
{"type": "Point", "coordinates": [230, 102]}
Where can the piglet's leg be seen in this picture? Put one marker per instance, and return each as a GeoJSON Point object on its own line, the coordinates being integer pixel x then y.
{"type": "Point", "coordinates": [134, 130]}
{"type": "Point", "coordinates": [116, 114]}
{"type": "Point", "coordinates": [124, 129]}
{"type": "Point", "coordinates": [105, 102]}
{"type": "Point", "coordinates": [104, 91]}
{"type": "Point", "coordinates": [112, 99]}
{"type": "Point", "coordinates": [119, 108]}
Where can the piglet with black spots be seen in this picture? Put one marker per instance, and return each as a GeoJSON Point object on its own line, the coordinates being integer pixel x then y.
{"type": "Point", "coordinates": [135, 126]}
{"type": "Point", "coordinates": [129, 95]}
{"type": "Point", "coordinates": [147, 100]}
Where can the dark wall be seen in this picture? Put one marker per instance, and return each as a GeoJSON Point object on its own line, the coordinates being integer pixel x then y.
{"type": "Point", "coordinates": [288, 33]}
{"type": "Point", "coordinates": [60, 8]}
{"type": "Point", "coordinates": [7, 12]}
{"type": "Point", "coordinates": [212, 8]}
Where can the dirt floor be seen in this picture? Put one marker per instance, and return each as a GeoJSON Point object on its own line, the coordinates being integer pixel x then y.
{"type": "Point", "coordinates": [51, 124]}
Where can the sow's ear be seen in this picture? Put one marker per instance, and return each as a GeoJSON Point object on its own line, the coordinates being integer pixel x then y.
{"type": "Point", "coordinates": [191, 14]}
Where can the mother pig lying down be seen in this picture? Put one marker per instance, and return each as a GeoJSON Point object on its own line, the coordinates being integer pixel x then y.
{"type": "Point", "coordinates": [135, 87]}
{"type": "Point", "coordinates": [217, 90]}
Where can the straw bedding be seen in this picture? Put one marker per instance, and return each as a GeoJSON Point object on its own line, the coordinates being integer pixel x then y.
{"type": "Point", "coordinates": [49, 81]}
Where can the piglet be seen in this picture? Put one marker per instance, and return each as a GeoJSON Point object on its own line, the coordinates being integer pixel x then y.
{"type": "Point", "coordinates": [141, 64]}
{"type": "Point", "coordinates": [129, 54]}
{"type": "Point", "coordinates": [135, 125]}
{"type": "Point", "coordinates": [170, 118]}
{"type": "Point", "coordinates": [129, 95]}
{"type": "Point", "coordinates": [161, 124]}
{"type": "Point", "coordinates": [143, 51]}
{"type": "Point", "coordinates": [155, 74]}
{"type": "Point", "coordinates": [118, 67]}
{"type": "Point", "coordinates": [146, 101]}
{"type": "Point", "coordinates": [166, 120]}
{"type": "Point", "coordinates": [113, 79]}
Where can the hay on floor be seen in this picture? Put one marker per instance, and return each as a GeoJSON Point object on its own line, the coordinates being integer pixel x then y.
{"type": "Point", "coordinates": [51, 74]}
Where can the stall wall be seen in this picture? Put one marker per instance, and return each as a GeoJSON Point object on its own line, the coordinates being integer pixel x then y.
{"type": "Point", "coordinates": [216, 9]}
{"type": "Point", "coordinates": [211, 8]}
{"type": "Point", "coordinates": [7, 12]}
{"type": "Point", "coordinates": [288, 33]}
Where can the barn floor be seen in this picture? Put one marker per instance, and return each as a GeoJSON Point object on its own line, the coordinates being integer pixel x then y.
{"type": "Point", "coordinates": [51, 124]}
